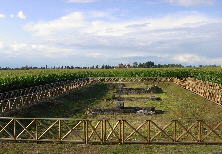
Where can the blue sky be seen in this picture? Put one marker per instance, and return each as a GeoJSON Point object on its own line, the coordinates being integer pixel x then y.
{"type": "Point", "coordinates": [90, 32]}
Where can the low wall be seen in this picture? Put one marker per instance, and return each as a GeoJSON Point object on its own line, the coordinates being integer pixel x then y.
{"type": "Point", "coordinates": [208, 90]}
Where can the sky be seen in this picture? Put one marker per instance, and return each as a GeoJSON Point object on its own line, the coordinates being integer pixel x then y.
{"type": "Point", "coordinates": [91, 32]}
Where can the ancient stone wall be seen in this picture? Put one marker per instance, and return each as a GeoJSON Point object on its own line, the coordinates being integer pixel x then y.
{"type": "Point", "coordinates": [208, 90]}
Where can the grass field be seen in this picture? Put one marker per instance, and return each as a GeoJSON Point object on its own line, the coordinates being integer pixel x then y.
{"type": "Point", "coordinates": [176, 102]}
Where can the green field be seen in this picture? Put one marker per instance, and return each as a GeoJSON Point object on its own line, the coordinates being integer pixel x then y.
{"type": "Point", "coordinates": [17, 79]}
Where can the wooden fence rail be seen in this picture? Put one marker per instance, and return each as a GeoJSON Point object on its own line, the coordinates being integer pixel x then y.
{"type": "Point", "coordinates": [111, 131]}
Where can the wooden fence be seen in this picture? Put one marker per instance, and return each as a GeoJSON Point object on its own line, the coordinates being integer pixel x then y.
{"type": "Point", "coordinates": [111, 131]}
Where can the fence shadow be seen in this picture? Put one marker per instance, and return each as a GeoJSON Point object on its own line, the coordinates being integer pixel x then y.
{"type": "Point", "coordinates": [70, 105]}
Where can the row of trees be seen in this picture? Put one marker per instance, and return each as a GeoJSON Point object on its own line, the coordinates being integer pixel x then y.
{"type": "Point", "coordinates": [151, 64]}
{"type": "Point", "coordinates": [148, 64]}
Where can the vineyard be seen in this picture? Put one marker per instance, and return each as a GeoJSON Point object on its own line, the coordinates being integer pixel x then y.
{"type": "Point", "coordinates": [18, 79]}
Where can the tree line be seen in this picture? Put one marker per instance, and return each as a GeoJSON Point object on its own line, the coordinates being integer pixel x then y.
{"type": "Point", "coordinates": [148, 64]}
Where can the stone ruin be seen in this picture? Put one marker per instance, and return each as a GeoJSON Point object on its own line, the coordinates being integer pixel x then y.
{"type": "Point", "coordinates": [121, 109]}
{"type": "Point", "coordinates": [153, 89]}
{"type": "Point", "coordinates": [151, 98]}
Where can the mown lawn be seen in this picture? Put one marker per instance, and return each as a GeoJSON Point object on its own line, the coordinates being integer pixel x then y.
{"type": "Point", "coordinates": [44, 148]}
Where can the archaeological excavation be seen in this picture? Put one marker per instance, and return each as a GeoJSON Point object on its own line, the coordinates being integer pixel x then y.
{"type": "Point", "coordinates": [118, 104]}
{"type": "Point", "coordinates": [107, 110]}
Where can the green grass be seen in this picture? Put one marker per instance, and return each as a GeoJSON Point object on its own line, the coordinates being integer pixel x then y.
{"type": "Point", "coordinates": [176, 102]}
{"type": "Point", "coordinates": [33, 148]}
{"type": "Point", "coordinates": [72, 105]}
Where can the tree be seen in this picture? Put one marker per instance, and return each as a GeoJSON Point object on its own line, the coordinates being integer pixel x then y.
{"type": "Point", "coordinates": [149, 64]}
{"type": "Point", "coordinates": [135, 64]}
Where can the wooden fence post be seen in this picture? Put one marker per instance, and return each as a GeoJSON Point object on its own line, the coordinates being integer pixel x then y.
{"type": "Point", "coordinates": [123, 131]}
{"type": "Point", "coordinates": [103, 131]}
{"type": "Point", "coordinates": [148, 129]}
{"type": "Point", "coordinates": [199, 130]}
{"type": "Point", "coordinates": [175, 131]}
{"type": "Point", "coordinates": [36, 130]}
{"type": "Point", "coordinates": [14, 129]}
{"type": "Point", "coordinates": [86, 133]}
{"type": "Point", "coordinates": [59, 131]}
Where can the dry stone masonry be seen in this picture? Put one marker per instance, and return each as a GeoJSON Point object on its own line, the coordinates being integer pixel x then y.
{"type": "Point", "coordinates": [208, 90]}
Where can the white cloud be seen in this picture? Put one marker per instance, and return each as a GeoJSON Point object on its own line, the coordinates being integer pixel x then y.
{"type": "Point", "coordinates": [18, 46]}
{"type": "Point", "coordinates": [102, 28]}
{"type": "Point", "coordinates": [1, 45]}
{"type": "Point", "coordinates": [186, 58]}
{"type": "Point", "coordinates": [169, 37]}
{"type": "Point", "coordinates": [76, 22]}
{"type": "Point", "coordinates": [143, 54]}
{"type": "Point", "coordinates": [20, 15]}
{"type": "Point", "coordinates": [188, 3]}
{"type": "Point", "coordinates": [71, 21]}
{"type": "Point", "coordinates": [81, 1]}
{"type": "Point", "coordinates": [37, 50]}
{"type": "Point", "coordinates": [95, 54]}
{"type": "Point", "coordinates": [2, 15]}
{"type": "Point", "coordinates": [196, 59]}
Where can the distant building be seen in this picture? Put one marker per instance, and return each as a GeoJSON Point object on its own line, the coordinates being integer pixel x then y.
{"type": "Point", "coordinates": [121, 66]}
